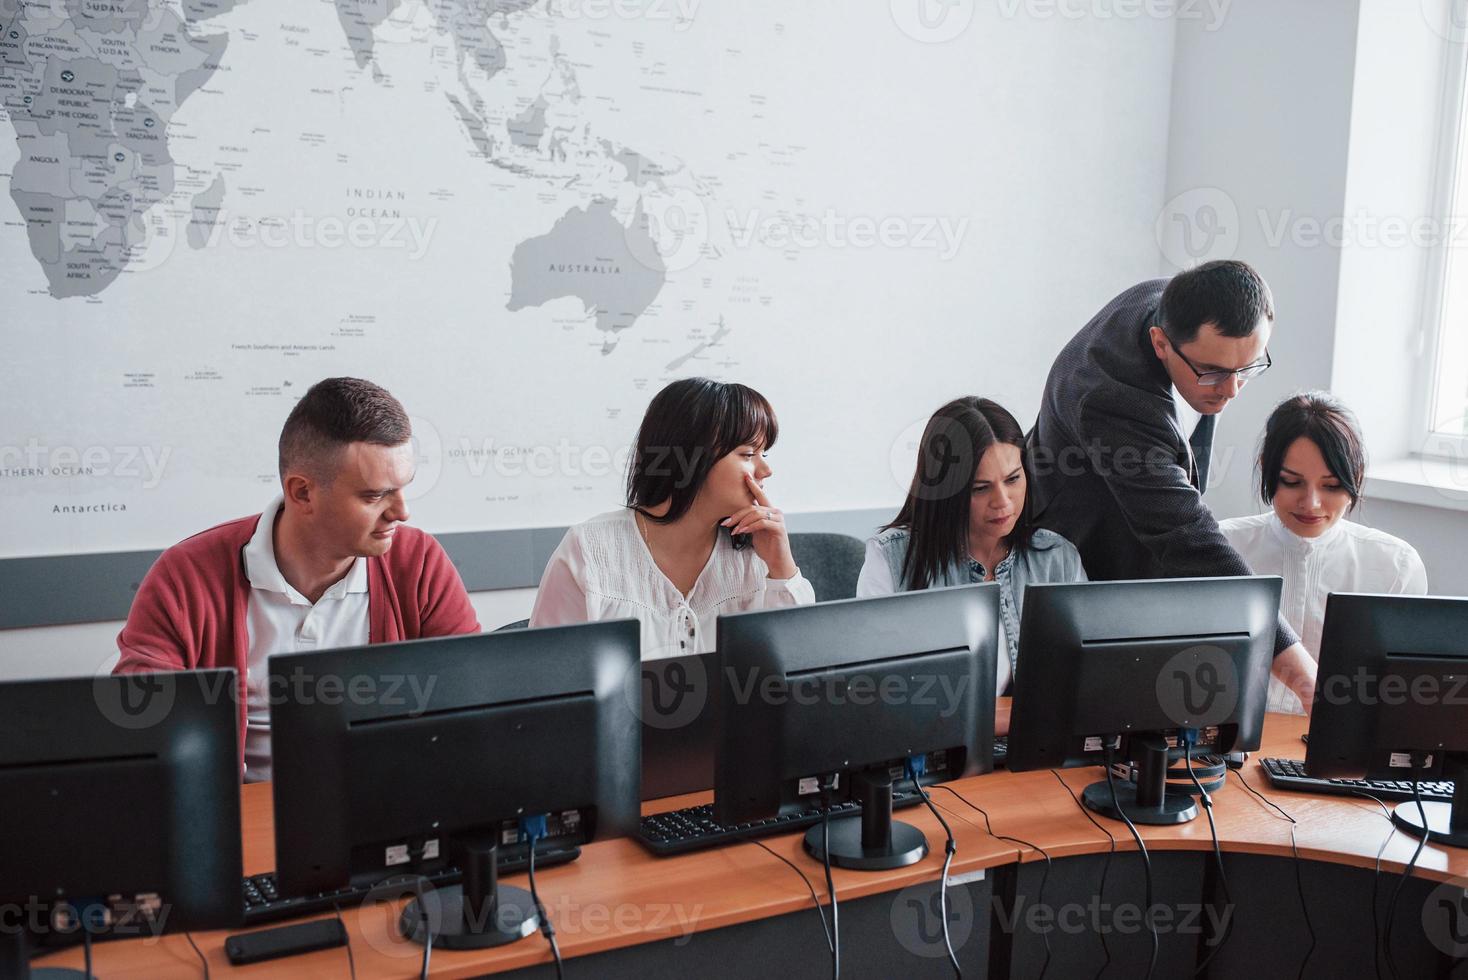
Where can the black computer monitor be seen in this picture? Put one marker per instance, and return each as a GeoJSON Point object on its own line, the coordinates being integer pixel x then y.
{"type": "Point", "coordinates": [1130, 671]}
{"type": "Point", "coordinates": [1391, 702]}
{"type": "Point", "coordinates": [812, 696]}
{"type": "Point", "coordinates": [411, 757]}
{"type": "Point", "coordinates": [119, 805]}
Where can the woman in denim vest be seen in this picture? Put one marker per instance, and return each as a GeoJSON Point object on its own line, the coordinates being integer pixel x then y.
{"type": "Point", "coordinates": [966, 521]}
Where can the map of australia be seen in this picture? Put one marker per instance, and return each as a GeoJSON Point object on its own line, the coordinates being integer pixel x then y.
{"type": "Point", "coordinates": [614, 270]}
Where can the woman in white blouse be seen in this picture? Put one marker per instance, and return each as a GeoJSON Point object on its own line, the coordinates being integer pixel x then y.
{"type": "Point", "coordinates": [1311, 467]}
{"type": "Point", "coordinates": [697, 538]}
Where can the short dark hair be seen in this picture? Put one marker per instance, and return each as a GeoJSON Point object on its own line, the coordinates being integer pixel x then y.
{"type": "Point", "coordinates": [936, 512]}
{"type": "Point", "coordinates": [1226, 293]}
{"type": "Point", "coordinates": [689, 426]}
{"type": "Point", "coordinates": [1325, 421]}
{"type": "Point", "coordinates": [335, 413]}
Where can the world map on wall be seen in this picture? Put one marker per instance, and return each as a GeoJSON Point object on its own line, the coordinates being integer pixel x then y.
{"type": "Point", "coordinates": [229, 199]}
{"type": "Point", "coordinates": [90, 89]}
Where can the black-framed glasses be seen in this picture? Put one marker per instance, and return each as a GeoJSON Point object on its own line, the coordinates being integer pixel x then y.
{"type": "Point", "coordinates": [1209, 379]}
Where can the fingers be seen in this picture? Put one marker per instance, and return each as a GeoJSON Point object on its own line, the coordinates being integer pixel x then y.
{"type": "Point", "coordinates": [752, 519]}
{"type": "Point", "coordinates": [755, 491]}
{"type": "Point", "coordinates": [756, 525]}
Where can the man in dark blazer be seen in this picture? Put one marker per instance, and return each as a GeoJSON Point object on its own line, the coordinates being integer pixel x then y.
{"type": "Point", "coordinates": [1121, 449]}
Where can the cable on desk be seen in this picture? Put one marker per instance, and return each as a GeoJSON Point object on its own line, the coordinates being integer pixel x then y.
{"type": "Point", "coordinates": [1044, 875]}
{"type": "Point", "coordinates": [427, 927]}
{"type": "Point", "coordinates": [86, 947]}
{"type": "Point", "coordinates": [202, 958]}
{"type": "Point", "coordinates": [1299, 871]}
{"type": "Point", "coordinates": [545, 922]}
{"type": "Point", "coordinates": [1189, 736]}
{"type": "Point", "coordinates": [1105, 864]}
{"type": "Point", "coordinates": [830, 887]}
{"type": "Point", "coordinates": [351, 960]}
{"type": "Point", "coordinates": [1391, 906]}
{"type": "Point", "coordinates": [1391, 832]}
{"type": "Point", "coordinates": [1146, 864]}
{"type": "Point", "coordinates": [805, 878]}
{"type": "Point", "coordinates": [950, 848]}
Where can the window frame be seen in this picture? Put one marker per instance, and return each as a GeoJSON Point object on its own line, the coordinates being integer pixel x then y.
{"type": "Point", "coordinates": [1449, 160]}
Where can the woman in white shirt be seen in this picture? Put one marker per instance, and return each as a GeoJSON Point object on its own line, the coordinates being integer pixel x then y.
{"type": "Point", "coordinates": [1311, 467]}
{"type": "Point", "coordinates": [698, 536]}
{"type": "Point", "coordinates": [966, 521]}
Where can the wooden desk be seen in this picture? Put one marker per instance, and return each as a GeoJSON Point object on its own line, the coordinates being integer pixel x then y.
{"type": "Point", "coordinates": [617, 896]}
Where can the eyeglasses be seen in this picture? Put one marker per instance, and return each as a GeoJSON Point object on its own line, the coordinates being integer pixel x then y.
{"type": "Point", "coordinates": [1209, 379]}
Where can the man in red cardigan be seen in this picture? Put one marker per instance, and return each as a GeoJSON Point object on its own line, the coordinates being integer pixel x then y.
{"type": "Point", "coordinates": [328, 564]}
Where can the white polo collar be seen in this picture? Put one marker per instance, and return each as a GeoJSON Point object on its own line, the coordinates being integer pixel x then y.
{"type": "Point", "coordinates": [263, 572]}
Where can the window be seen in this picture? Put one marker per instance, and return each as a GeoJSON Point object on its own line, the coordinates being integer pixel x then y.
{"type": "Point", "coordinates": [1445, 414]}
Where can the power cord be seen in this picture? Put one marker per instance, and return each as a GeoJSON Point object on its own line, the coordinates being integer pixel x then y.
{"type": "Point", "coordinates": [1376, 881]}
{"type": "Point", "coordinates": [87, 947]}
{"type": "Point", "coordinates": [1391, 906]}
{"type": "Point", "coordinates": [534, 828]}
{"type": "Point", "coordinates": [1189, 737]}
{"type": "Point", "coordinates": [1044, 875]}
{"type": "Point", "coordinates": [916, 766]}
{"type": "Point", "coordinates": [427, 926]}
{"type": "Point", "coordinates": [828, 784]}
{"type": "Point", "coordinates": [805, 878]}
{"type": "Point", "coordinates": [1299, 870]}
{"type": "Point", "coordinates": [1105, 865]}
{"type": "Point", "coordinates": [1146, 864]}
{"type": "Point", "coordinates": [202, 958]}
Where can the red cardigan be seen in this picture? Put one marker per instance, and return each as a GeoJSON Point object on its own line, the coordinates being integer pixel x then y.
{"type": "Point", "coordinates": [190, 611]}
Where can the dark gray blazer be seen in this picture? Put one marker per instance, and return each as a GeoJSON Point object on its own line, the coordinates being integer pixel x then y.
{"type": "Point", "coordinates": [1113, 472]}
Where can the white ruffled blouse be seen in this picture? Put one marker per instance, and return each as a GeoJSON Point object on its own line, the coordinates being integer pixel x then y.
{"type": "Point", "coordinates": [603, 570]}
{"type": "Point", "coordinates": [1347, 558]}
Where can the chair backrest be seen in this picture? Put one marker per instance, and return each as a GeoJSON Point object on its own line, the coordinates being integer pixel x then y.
{"type": "Point", "coordinates": [518, 624]}
{"type": "Point", "coordinates": [832, 562]}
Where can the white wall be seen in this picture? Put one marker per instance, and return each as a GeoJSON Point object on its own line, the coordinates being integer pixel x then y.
{"type": "Point", "coordinates": [1260, 130]}
{"type": "Point", "coordinates": [1310, 127]}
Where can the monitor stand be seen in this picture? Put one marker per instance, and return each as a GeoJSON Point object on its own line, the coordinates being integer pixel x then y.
{"type": "Point", "coordinates": [15, 953]}
{"type": "Point", "coordinates": [1146, 801]}
{"type": "Point", "coordinates": [872, 841]}
{"type": "Point", "coordinates": [1447, 823]}
{"type": "Point", "coordinates": [478, 914]}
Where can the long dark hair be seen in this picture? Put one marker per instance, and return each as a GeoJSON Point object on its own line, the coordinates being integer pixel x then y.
{"type": "Point", "coordinates": [689, 426]}
{"type": "Point", "coordinates": [936, 512]}
{"type": "Point", "coordinates": [1325, 421]}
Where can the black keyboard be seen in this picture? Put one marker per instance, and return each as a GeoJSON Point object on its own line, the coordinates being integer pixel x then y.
{"type": "Point", "coordinates": [1290, 774]}
{"type": "Point", "coordinates": [263, 902]}
{"type": "Point", "coordinates": [693, 828]}
{"type": "Point", "coordinates": [1001, 750]}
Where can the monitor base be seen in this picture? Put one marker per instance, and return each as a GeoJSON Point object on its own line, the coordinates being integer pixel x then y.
{"type": "Point", "coordinates": [1439, 828]}
{"type": "Point", "coordinates": [15, 960]}
{"type": "Point", "coordinates": [512, 918]}
{"type": "Point", "coordinates": [1174, 808]}
{"type": "Point", "coordinates": [906, 845]}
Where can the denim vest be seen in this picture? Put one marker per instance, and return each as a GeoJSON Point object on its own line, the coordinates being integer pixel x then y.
{"type": "Point", "coordinates": [1047, 558]}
